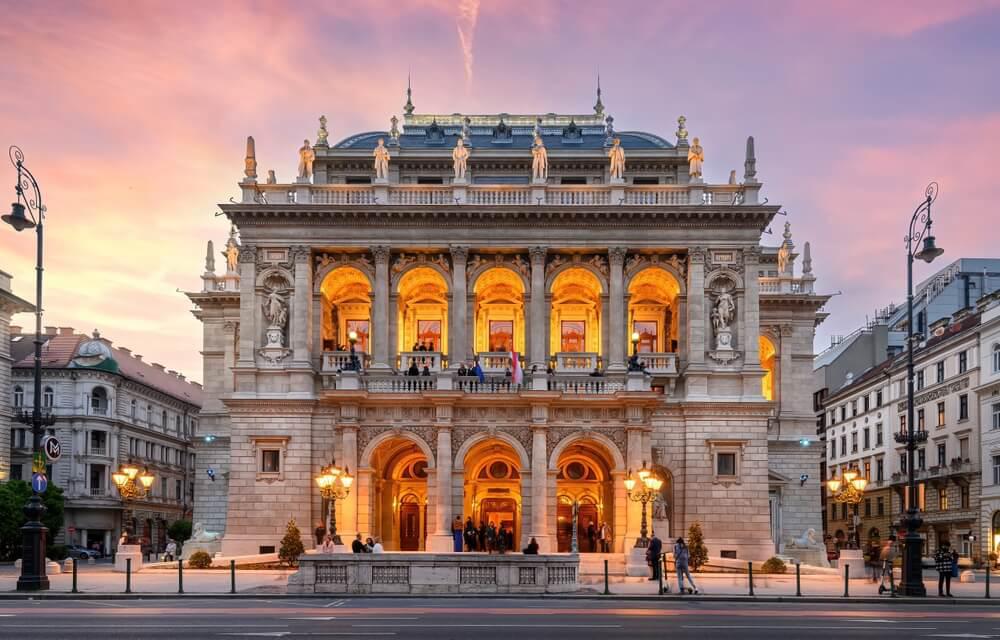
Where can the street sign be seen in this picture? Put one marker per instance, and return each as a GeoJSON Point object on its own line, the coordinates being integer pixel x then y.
{"type": "Point", "coordinates": [51, 447]}
{"type": "Point", "coordinates": [39, 482]}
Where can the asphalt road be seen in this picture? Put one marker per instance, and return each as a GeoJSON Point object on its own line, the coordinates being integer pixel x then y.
{"type": "Point", "coordinates": [482, 618]}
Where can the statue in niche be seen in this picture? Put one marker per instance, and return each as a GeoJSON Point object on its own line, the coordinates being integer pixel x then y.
{"type": "Point", "coordinates": [275, 310]}
{"type": "Point", "coordinates": [539, 160]}
{"type": "Point", "coordinates": [617, 156]}
{"type": "Point", "coordinates": [696, 157]}
{"type": "Point", "coordinates": [722, 317]}
{"type": "Point", "coordinates": [306, 158]}
{"type": "Point", "coordinates": [381, 160]}
{"type": "Point", "coordinates": [725, 307]}
{"type": "Point", "coordinates": [459, 157]}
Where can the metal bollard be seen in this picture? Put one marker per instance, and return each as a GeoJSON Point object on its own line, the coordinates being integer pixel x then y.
{"type": "Point", "coordinates": [180, 576]}
{"type": "Point", "coordinates": [606, 590]}
{"type": "Point", "coordinates": [76, 591]}
{"type": "Point", "coordinates": [658, 564]}
{"type": "Point", "coordinates": [750, 576]}
{"type": "Point", "coordinates": [892, 581]}
{"type": "Point", "coordinates": [128, 575]}
{"type": "Point", "coordinates": [987, 579]}
{"type": "Point", "coordinates": [798, 579]}
{"type": "Point", "coordinates": [847, 570]}
{"type": "Point", "coordinates": [232, 575]}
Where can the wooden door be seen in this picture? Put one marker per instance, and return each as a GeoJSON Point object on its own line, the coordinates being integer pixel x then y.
{"type": "Point", "coordinates": [587, 516]}
{"type": "Point", "coordinates": [564, 527]}
{"type": "Point", "coordinates": [409, 527]}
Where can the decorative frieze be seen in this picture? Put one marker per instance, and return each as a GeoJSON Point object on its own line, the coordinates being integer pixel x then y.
{"type": "Point", "coordinates": [934, 394]}
{"type": "Point", "coordinates": [403, 260]}
{"type": "Point", "coordinates": [323, 260]}
{"type": "Point", "coordinates": [597, 261]}
{"type": "Point", "coordinates": [479, 262]}
{"type": "Point", "coordinates": [639, 261]}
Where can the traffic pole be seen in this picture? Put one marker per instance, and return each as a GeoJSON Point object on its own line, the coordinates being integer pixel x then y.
{"type": "Point", "coordinates": [987, 579]}
{"type": "Point", "coordinates": [798, 579]}
{"type": "Point", "coordinates": [750, 576]}
{"type": "Point", "coordinates": [128, 575]}
{"type": "Point", "coordinates": [75, 589]}
{"type": "Point", "coordinates": [847, 570]}
{"type": "Point", "coordinates": [232, 576]}
{"type": "Point", "coordinates": [606, 590]}
{"type": "Point", "coordinates": [658, 564]}
{"type": "Point", "coordinates": [180, 576]}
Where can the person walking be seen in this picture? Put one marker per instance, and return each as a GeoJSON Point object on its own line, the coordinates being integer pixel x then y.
{"type": "Point", "coordinates": [682, 556]}
{"type": "Point", "coordinates": [943, 564]}
{"type": "Point", "coordinates": [653, 556]}
{"type": "Point", "coordinates": [888, 557]}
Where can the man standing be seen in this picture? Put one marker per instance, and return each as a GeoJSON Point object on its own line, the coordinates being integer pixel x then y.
{"type": "Point", "coordinates": [357, 546]}
{"type": "Point", "coordinates": [653, 556]}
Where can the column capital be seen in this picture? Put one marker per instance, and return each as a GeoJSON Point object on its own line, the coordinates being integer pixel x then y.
{"type": "Point", "coordinates": [696, 255]}
{"type": "Point", "coordinates": [247, 254]}
{"type": "Point", "coordinates": [537, 255]}
{"type": "Point", "coordinates": [616, 255]}
{"type": "Point", "coordinates": [751, 255]}
{"type": "Point", "coordinates": [459, 254]}
{"type": "Point", "coordinates": [300, 253]}
{"type": "Point", "coordinates": [381, 254]}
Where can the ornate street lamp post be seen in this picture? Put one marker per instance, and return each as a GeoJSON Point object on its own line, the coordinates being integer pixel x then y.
{"type": "Point", "coordinates": [354, 365]}
{"type": "Point", "coordinates": [335, 484]}
{"type": "Point", "coordinates": [132, 485]}
{"type": "Point", "coordinates": [913, 580]}
{"type": "Point", "coordinates": [649, 491]}
{"type": "Point", "coordinates": [27, 212]}
{"type": "Point", "coordinates": [849, 490]}
{"type": "Point", "coordinates": [633, 362]}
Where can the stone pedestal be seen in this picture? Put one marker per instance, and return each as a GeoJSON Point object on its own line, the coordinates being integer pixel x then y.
{"type": "Point", "coordinates": [813, 557]}
{"type": "Point", "coordinates": [855, 559]}
{"type": "Point", "coordinates": [635, 563]}
{"type": "Point", "coordinates": [211, 548]}
{"type": "Point", "coordinates": [126, 552]}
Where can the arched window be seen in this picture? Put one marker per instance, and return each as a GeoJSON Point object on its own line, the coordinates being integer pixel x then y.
{"type": "Point", "coordinates": [163, 418]}
{"type": "Point", "coordinates": [99, 401]}
{"type": "Point", "coordinates": [48, 398]}
{"type": "Point", "coordinates": [996, 357]}
{"type": "Point", "coordinates": [18, 397]}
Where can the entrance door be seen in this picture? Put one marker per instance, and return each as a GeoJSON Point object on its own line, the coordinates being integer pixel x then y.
{"type": "Point", "coordinates": [564, 527]}
{"type": "Point", "coordinates": [501, 511]}
{"type": "Point", "coordinates": [587, 516]}
{"type": "Point", "coordinates": [409, 526]}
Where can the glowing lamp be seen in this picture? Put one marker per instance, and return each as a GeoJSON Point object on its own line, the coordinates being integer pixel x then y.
{"type": "Point", "coordinates": [859, 483]}
{"type": "Point", "coordinates": [347, 480]}
{"type": "Point", "coordinates": [119, 479]}
{"type": "Point", "coordinates": [146, 479]}
{"type": "Point", "coordinates": [850, 475]}
{"type": "Point", "coordinates": [635, 336]}
{"type": "Point", "coordinates": [131, 471]}
{"type": "Point", "coordinates": [833, 484]}
{"type": "Point", "coordinates": [629, 483]}
{"type": "Point", "coordinates": [352, 336]}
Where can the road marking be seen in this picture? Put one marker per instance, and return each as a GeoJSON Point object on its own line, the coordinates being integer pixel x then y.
{"type": "Point", "coordinates": [269, 634]}
{"type": "Point", "coordinates": [104, 604]}
{"type": "Point", "coordinates": [779, 626]}
{"type": "Point", "coordinates": [957, 635]}
{"type": "Point", "coordinates": [117, 625]}
{"type": "Point", "coordinates": [512, 626]}
{"type": "Point", "coordinates": [872, 620]}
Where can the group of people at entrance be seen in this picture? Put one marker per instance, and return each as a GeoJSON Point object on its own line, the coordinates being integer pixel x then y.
{"type": "Point", "coordinates": [485, 537]}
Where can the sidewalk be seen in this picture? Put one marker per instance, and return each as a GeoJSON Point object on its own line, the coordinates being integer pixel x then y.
{"type": "Point", "coordinates": [100, 578]}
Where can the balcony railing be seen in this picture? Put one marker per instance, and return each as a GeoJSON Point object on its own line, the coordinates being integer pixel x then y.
{"type": "Point", "coordinates": [489, 384]}
{"type": "Point", "coordinates": [498, 195]}
{"type": "Point", "coordinates": [659, 363]}
{"type": "Point", "coordinates": [433, 360]}
{"type": "Point", "coordinates": [399, 384]}
{"type": "Point", "coordinates": [597, 385]}
{"type": "Point", "coordinates": [496, 361]}
{"type": "Point", "coordinates": [98, 492]}
{"type": "Point", "coordinates": [576, 384]}
{"type": "Point", "coordinates": [334, 361]}
{"type": "Point", "coordinates": [786, 285]}
{"type": "Point", "coordinates": [576, 362]}
{"type": "Point", "coordinates": [98, 450]}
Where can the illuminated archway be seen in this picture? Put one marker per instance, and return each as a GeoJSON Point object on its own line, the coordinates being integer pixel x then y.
{"type": "Point", "coordinates": [652, 310]}
{"type": "Point", "coordinates": [423, 310]}
{"type": "Point", "coordinates": [576, 312]}
{"type": "Point", "coordinates": [499, 311]}
{"type": "Point", "coordinates": [584, 477]}
{"type": "Point", "coordinates": [492, 470]}
{"type": "Point", "coordinates": [767, 361]}
{"type": "Point", "coordinates": [399, 494]}
{"type": "Point", "coordinates": [346, 299]}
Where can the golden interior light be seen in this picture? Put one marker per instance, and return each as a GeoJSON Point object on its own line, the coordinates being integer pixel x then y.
{"type": "Point", "coordinates": [833, 484]}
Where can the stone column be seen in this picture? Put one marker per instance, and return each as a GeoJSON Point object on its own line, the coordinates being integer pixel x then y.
{"type": "Point", "coordinates": [228, 356]}
{"type": "Point", "coordinates": [380, 313]}
{"type": "Point", "coordinates": [301, 311]}
{"type": "Point", "coordinates": [616, 304]}
{"type": "Point", "coordinates": [248, 304]}
{"type": "Point", "coordinates": [441, 540]}
{"type": "Point", "coordinates": [458, 328]}
{"type": "Point", "coordinates": [539, 494]}
{"type": "Point", "coordinates": [347, 525]}
{"type": "Point", "coordinates": [752, 371]}
{"type": "Point", "coordinates": [536, 314]}
{"type": "Point", "coordinates": [696, 306]}
{"type": "Point", "coordinates": [633, 456]}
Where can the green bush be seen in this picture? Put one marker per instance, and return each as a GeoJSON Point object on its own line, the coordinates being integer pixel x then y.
{"type": "Point", "coordinates": [291, 545]}
{"type": "Point", "coordinates": [200, 560]}
{"type": "Point", "coordinates": [179, 531]}
{"type": "Point", "coordinates": [14, 495]}
{"type": "Point", "coordinates": [774, 565]}
{"type": "Point", "coordinates": [57, 552]}
{"type": "Point", "coordinates": [696, 547]}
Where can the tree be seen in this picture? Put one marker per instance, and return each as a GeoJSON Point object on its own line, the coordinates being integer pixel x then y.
{"type": "Point", "coordinates": [291, 545]}
{"type": "Point", "coordinates": [179, 531]}
{"type": "Point", "coordinates": [13, 496]}
{"type": "Point", "coordinates": [696, 547]}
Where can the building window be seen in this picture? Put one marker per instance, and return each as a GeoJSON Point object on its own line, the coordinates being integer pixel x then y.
{"type": "Point", "coordinates": [879, 506]}
{"type": "Point", "coordinates": [940, 371]}
{"type": "Point", "coordinates": [868, 471]}
{"type": "Point", "coordinates": [867, 438]}
{"type": "Point", "coordinates": [99, 401]}
{"type": "Point", "coordinates": [963, 406]}
{"type": "Point", "coordinates": [178, 487]}
{"type": "Point", "coordinates": [18, 397]}
{"type": "Point", "coordinates": [854, 442]}
{"type": "Point", "coordinates": [921, 459]}
{"type": "Point", "coordinates": [902, 462]}
{"type": "Point", "coordinates": [843, 445]}
{"type": "Point", "coordinates": [502, 335]}
{"type": "Point", "coordinates": [963, 362]}
{"type": "Point", "coordinates": [866, 401]}
{"type": "Point", "coordinates": [48, 398]}
{"type": "Point", "coordinates": [269, 452]}
{"type": "Point", "coordinates": [177, 424]}
{"type": "Point", "coordinates": [833, 511]}
{"type": "Point", "coordinates": [833, 449]}
{"type": "Point", "coordinates": [270, 461]}
{"type": "Point", "coordinates": [726, 461]}
{"type": "Point", "coordinates": [996, 358]}
{"type": "Point", "coordinates": [920, 380]}
{"type": "Point", "coordinates": [920, 420]}
{"type": "Point", "coordinates": [942, 458]}
{"type": "Point", "coordinates": [963, 448]}
{"type": "Point", "coordinates": [868, 507]}
{"type": "Point", "coordinates": [964, 497]}
{"type": "Point", "coordinates": [854, 408]}
{"type": "Point", "coordinates": [943, 499]}
{"type": "Point", "coordinates": [996, 470]}
{"type": "Point", "coordinates": [878, 398]}
{"type": "Point", "coordinates": [940, 414]}
{"type": "Point", "coordinates": [996, 415]}
{"type": "Point", "coordinates": [573, 337]}
{"type": "Point", "coordinates": [902, 424]}
{"type": "Point", "coordinates": [879, 470]}
{"type": "Point", "coordinates": [647, 336]}
{"type": "Point", "coordinates": [131, 410]}
{"type": "Point", "coordinates": [15, 471]}
{"type": "Point", "coordinates": [843, 413]}
{"type": "Point", "coordinates": [878, 435]}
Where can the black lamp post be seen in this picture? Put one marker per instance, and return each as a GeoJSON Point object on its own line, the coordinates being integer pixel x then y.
{"type": "Point", "coordinates": [26, 213]}
{"type": "Point", "coordinates": [913, 581]}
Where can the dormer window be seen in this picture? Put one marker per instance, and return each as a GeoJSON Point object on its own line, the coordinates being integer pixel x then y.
{"type": "Point", "coordinates": [572, 132]}
{"type": "Point", "coordinates": [434, 133]}
{"type": "Point", "coordinates": [502, 133]}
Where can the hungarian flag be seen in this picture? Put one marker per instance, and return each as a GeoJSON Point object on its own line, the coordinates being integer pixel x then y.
{"type": "Point", "coordinates": [515, 368]}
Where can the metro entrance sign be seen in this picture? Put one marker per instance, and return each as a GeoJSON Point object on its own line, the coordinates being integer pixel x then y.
{"type": "Point", "coordinates": [52, 448]}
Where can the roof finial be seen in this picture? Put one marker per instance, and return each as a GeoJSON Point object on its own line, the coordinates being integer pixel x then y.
{"type": "Point", "coordinates": [408, 107]}
{"type": "Point", "coordinates": [599, 106]}
{"type": "Point", "coordinates": [750, 164]}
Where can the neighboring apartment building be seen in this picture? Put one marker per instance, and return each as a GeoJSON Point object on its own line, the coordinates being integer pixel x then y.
{"type": "Point", "coordinates": [110, 408]}
{"type": "Point", "coordinates": [987, 397]}
{"type": "Point", "coordinates": [9, 305]}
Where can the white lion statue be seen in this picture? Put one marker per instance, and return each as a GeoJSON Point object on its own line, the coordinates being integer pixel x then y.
{"type": "Point", "coordinates": [806, 541]}
{"type": "Point", "coordinates": [200, 535]}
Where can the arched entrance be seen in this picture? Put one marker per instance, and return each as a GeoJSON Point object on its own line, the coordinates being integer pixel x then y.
{"type": "Point", "coordinates": [652, 310]}
{"type": "Point", "coordinates": [493, 488]}
{"type": "Point", "coordinates": [423, 311]}
{"type": "Point", "coordinates": [584, 477]}
{"type": "Point", "coordinates": [346, 300]}
{"type": "Point", "coordinates": [499, 312]}
{"type": "Point", "coordinates": [399, 495]}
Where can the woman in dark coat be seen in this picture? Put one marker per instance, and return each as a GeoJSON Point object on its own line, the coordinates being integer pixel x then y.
{"type": "Point", "coordinates": [943, 564]}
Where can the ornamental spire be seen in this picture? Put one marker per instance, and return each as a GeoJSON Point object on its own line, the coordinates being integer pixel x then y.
{"type": "Point", "coordinates": [599, 106]}
{"type": "Point", "coordinates": [408, 107]}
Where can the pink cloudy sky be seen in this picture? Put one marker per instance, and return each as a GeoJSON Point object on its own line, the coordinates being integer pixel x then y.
{"type": "Point", "coordinates": [133, 116]}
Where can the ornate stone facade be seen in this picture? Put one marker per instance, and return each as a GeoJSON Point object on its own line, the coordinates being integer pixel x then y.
{"type": "Point", "coordinates": [502, 347]}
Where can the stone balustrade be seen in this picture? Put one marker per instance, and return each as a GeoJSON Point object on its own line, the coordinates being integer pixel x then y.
{"type": "Point", "coordinates": [576, 362]}
{"type": "Point", "coordinates": [489, 384]}
{"type": "Point", "coordinates": [786, 284]}
{"type": "Point", "coordinates": [585, 385]}
{"type": "Point", "coordinates": [334, 361]}
{"type": "Point", "coordinates": [571, 384]}
{"type": "Point", "coordinates": [496, 361]}
{"type": "Point", "coordinates": [436, 573]}
{"type": "Point", "coordinates": [433, 360]}
{"type": "Point", "coordinates": [659, 363]}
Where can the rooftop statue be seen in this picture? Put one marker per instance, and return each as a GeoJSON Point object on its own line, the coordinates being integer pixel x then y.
{"type": "Point", "coordinates": [270, 177]}
{"type": "Point", "coordinates": [459, 157]}
{"type": "Point", "coordinates": [617, 156]}
{"type": "Point", "coordinates": [232, 251]}
{"type": "Point", "coordinates": [381, 160]}
{"type": "Point", "coordinates": [210, 258]}
{"type": "Point", "coordinates": [322, 134]}
{"type": "Point", "coordinates": [539, 160]}
{"type": "Point", "coordinates": [696, 157]}
{"type": "Point", "coordinates": [251, 160]}
{"type": "Point", "coordinates": [306, 158]}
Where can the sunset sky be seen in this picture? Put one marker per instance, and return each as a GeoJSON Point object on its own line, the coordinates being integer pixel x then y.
{"type": "Point", "coordinates": [133, 116]}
